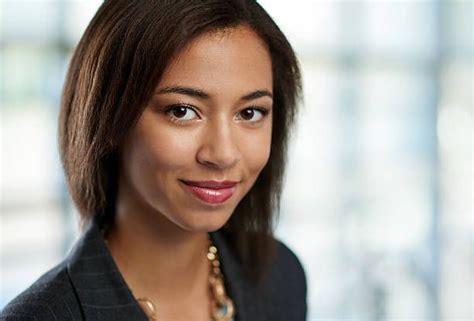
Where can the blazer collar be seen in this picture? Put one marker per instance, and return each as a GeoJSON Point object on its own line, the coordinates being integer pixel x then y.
{"type": "Point", "coordinates": [101, 289]}
{"type": "Point", "coordinates": [104, 294]}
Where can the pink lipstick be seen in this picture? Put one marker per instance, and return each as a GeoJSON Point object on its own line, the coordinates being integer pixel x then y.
{"type": "Point", "coordinates": [211, 192]}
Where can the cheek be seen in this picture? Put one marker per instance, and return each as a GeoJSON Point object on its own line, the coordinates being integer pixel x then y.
{"type": "Point", "coordinates": [256, 150]}
{"type": "Point", "coordinates": [154, 155]}
{"type": "Point", "coordinates": [165, 150]}
{"type": "Point", "coordinates": [171, 152]}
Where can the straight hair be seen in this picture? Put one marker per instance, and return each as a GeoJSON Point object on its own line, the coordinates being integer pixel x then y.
{"type": "Point", "coordinates": [113, 72]}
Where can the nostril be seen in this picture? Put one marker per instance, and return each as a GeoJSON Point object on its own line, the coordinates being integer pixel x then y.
{"type": "Point", "coordinates": [219, 145]}
{"type": "Point", "coordinates": [214, 157]}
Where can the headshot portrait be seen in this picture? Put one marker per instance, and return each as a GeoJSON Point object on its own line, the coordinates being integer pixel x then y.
{"type": "Point", "coordinates": [236, 160]}
{"type": "Point", "coordinates": [173, 131]}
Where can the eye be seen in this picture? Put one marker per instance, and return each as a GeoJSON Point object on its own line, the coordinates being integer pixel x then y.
{"type": "Point", "coordinates": [252, 114]}
{"type": "Point", "coordinates": [181, 113]}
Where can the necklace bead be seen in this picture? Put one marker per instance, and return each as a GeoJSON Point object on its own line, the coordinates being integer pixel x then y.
{"type": "Point", "coordinates": [222, 307]}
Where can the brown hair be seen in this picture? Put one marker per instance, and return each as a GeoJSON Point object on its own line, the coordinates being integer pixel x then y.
{"type": "Point", "coordinates": [118, 63]}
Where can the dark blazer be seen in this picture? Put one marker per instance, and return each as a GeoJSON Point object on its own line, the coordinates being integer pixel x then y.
{"type": "Point", "coordinates": [87, 286]}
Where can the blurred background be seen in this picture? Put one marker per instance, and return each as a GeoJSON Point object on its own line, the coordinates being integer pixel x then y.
{"type": "Point", "coordinates": [378, 200]}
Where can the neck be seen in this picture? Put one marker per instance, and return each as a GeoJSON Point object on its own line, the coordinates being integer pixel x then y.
{"type": "Point", "coordinates": [158, 259]}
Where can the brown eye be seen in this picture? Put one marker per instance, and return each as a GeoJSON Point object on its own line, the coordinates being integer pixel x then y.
{"type": "Point", "coordinates": [181, 113]}
{"type": "Point", "coordinates": [247, 114]}
{"type": "Point", "coordinates": [252, 115]}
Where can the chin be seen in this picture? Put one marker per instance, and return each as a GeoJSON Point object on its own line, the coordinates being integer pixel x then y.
{"type": "Point", "coordinates": [206, 222]}
{"type": "Point", "coordinates": [201, 228]}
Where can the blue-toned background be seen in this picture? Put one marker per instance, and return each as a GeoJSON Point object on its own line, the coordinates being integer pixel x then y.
{"type": "Point", "coordinates": [378, 200]}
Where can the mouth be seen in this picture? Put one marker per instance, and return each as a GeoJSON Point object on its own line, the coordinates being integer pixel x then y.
{"type": "Point", "coordinates": [211, 192]}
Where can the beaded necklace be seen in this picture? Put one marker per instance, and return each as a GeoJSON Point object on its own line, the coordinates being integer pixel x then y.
{"type": "Point", "coordinates": [222, 306]}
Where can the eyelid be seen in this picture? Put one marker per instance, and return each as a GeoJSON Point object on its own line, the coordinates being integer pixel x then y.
{"type": "Point", "coordinates": [167, 109]}
{"type": "Point", "coordinates": [263, 110]}
{"type": "Point", "coordinates": [185, 105]}
{"type": "Point", "coordinates": [260, 108]}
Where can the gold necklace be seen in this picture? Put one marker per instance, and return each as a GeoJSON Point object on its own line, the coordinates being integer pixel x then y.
{"type": "Point", "coordinates": [222, 306]}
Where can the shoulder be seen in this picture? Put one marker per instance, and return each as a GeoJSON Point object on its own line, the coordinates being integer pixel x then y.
{"type": "Point", "coordinates": [287, 270]}
{"type": "Point", "coordinates": [286, 284]}
{"type": "Point", "coordinates": [288, 263]}
{"type": "Point", "coordinates": [51, 297]}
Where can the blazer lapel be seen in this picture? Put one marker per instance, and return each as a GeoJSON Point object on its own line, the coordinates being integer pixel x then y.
{"type": "Point", "coordinates": [102, 292]}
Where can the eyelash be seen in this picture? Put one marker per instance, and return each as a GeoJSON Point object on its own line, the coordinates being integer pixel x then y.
{"type": "Point", "coordinates": [174, 119]}
{"type": "Point", "coordinates": [263, 111]}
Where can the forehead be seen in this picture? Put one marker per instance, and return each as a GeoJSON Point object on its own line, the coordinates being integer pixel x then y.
{"type": "Point", "coordinates": [221, 60]}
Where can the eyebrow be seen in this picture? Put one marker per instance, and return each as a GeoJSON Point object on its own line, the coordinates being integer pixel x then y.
{"type": "Point", "coordinates": [198, 93]}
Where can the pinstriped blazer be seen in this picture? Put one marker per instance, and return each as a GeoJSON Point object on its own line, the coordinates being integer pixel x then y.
{"type": "Point", "coordinates": [87, 286]}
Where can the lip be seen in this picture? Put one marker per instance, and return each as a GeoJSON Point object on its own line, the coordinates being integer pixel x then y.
{"type": "Point", "coordinates": [211, 192]}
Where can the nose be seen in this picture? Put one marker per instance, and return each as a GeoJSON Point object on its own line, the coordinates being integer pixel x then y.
{"type": "Point", "coordinates": [219, 147]}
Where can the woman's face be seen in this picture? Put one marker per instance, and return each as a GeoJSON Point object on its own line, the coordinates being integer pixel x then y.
{"type": "Point", "coordinates": [205, 136]}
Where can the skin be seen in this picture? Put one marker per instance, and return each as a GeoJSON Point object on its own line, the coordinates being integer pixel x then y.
{"type": "Point", "coordinates": [159, 239]}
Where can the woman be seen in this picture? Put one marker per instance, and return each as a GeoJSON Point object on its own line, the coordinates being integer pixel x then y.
{"type": "Point", "coordinates": [173, 130]}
